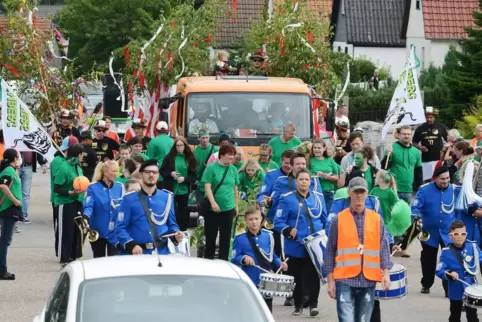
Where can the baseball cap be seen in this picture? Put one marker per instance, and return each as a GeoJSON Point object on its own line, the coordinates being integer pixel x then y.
{"type": "Point", "coordinates": [68, 142]}
{"type": "Point", "coordinates": [162, 126]}
{"type": "Point", "coordinates": [357, 183]}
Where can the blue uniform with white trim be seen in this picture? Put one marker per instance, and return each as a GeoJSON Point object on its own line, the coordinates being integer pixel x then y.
{"type": "Point", "coordinates": [436, 207]}
{"type": "Point", "coordinates": [132, 227]}
{"type": "Point", "coordinates": [449, 262]}
{"type": "Point", "coordinates": [100, 204]}
{"type": "Point", "coordinates": [286, 184]}
{"type": "Point", "coordinates": [287, 214]}
{"type": "Point", "coordinates": [267, 190]}
{"type": "Point", "coordinates": [242, 247]}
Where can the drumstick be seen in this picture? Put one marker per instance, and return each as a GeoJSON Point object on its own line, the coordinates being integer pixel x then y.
{"type": "Point", "coordinates": [169, 235]}
{"type": "Point", "coordinates": [279, 269]}
{"type": "Point", "coordinates": [458, 279]}
{"type": "Point", "coordinates": [264, 270]}
{"type": "Point", "coordinates": [396, 250]}
{"type": "Point", "coordinates": [300, 205]}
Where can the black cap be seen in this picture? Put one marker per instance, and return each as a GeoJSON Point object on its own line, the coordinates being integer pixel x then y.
{"type": "Point", "coordinates": [86, 135]}
{"type": "Point", "coordinates": [148, 163]}
{"type": "Point", "coordinates": [440, 171]}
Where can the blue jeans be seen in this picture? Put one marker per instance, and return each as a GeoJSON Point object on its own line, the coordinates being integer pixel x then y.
{"type": "Point", "coordinates": [354, 304]}
{"type": "Point", "coordinates": [26, 178]}
{"type": "Point", "coordinates": [6, 232]}
{"type": "Point", "coordinates": [405, 196]}
{"type": "Point", "coordinates": [328, 200]}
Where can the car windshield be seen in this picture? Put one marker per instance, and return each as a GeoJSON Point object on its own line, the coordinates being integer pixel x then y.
{"type": "Point", "coordinates": [167, 298]}
{"type": "Point", "coordinates": [248, 117]}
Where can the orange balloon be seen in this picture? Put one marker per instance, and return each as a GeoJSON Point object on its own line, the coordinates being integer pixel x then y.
{"type": "Point", "coordinates": [81, 183]}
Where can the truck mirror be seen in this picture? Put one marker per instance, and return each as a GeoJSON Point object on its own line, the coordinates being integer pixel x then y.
{"type": "Point", "coordinates": [330, 113]}
{"type": "Point", "coordinates": [165, 102]}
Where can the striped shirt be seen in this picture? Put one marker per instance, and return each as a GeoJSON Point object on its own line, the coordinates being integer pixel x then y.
{"type": "Point", "coordinates": [331, 249]}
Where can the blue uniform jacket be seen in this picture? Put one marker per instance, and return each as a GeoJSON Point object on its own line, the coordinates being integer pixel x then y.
{"type": "Point", "coordinates": [286, 218]}
{"type": "Point", "coordinates": [132, 227]}
{"type": "Point", "coordinates": [101, 203]}
{"type": "Point", "coordinates": [282, 186]}
{"type": "Point", "coordinates": [341, 204]}
{"type": "Point", "coordinates": [448, 262]}
{"type": "Point", "coordinates": [267, 189]}
{"type": "Point", "coordinates": [428, 205]}
{"type": "Point", "coordinates": [242, 247]}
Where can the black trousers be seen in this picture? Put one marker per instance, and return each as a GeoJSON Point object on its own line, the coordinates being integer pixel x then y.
{"type": "Point", "coordinates": [200, 202]}
{"type": "Point", "coordinates": [456, 312]}
{"type": "Point", "coordinates": [269, 303]}
{"type": "Point", "coordinates": [278, 250]}
{"type": "Point", "coordinates": [376, 314]}
{"type": "Point", "coordinates": [214, 222]}
{"type": "Point", "coordinates": [101, 248]}
{"type": "Point", "coordinates": [428, 260]}
{"type": "Point", "coordinates": [70, 245]}
{"type": "Point", "coordinates": [55, 210]}
{"type": "Point", "coordinates": [182, 213]}
{"type": "Point", "coordinates": [306, 276]}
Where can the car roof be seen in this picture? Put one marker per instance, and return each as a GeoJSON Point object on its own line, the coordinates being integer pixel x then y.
{"type": "Point", "coordinates": [120, 266]}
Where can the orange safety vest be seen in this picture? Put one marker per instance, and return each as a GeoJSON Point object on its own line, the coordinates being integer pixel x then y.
{"type": "Point", "coordinates": [348, 261]}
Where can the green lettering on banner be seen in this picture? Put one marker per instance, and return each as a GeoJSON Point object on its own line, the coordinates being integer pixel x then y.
{"type": "Point", "coordinates": [12, 107]}
{"type": "Point", "coordinates": [411, 89]}
{"type": "Point", "coordinates": [24, 121]}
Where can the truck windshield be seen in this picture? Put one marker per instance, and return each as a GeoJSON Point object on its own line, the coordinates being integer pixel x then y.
{"type": "Point", "coordinates": [249, 118]}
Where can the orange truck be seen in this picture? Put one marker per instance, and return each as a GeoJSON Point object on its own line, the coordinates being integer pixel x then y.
{"type": "Point", "coordinates": [251, 109]}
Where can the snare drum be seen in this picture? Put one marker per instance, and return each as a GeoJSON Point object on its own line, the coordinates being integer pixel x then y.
{"type": "Point", "coordinates": [473, 296]}
{"type": "Point", "coordinates": [271, 284]}
{"type": "Point", "coordinates": [315, 246]}
{"type": "Point", "coordinates": [183, 248]}
{"type": "Point", "coordinates": [398, 284]}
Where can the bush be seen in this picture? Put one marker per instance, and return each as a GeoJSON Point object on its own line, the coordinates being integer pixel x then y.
{"type": "Point", "coordinates": [471, 119]}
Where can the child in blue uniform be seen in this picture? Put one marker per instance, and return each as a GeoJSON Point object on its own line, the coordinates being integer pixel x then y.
{"type": "Point", "coordinates": [458, 261]}
{"type": "Point", "coordinates": [256, 247]}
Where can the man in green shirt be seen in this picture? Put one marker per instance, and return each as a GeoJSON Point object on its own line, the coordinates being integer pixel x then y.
{"type": "Point", "coordinates": [283, 142]}
{"type": "Point", "coordinates": [405, 163]}
{"type": "Point", "coordinates": [160, 146]}
{"type": "Point", "coordinates": [202, 153]}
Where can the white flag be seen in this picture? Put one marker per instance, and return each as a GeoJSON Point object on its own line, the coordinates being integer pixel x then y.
{"type": "Point", "coordinates": [406, 107]}
{"type": "Point", "coordinates": [21, 131]}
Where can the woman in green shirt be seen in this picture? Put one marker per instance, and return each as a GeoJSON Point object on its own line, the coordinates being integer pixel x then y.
{"type": "Point", "coordinates": [220, 181]}
{"type": "Point", "coordinates": [361, 168]}
{"type": "Point", "coordinates": [178, 171]}
{"type": "Point", "coordinates": [136, 145]}
{"type": "Point", "coordinates": [251, 177]}
{"type": "Point", "coordinates": [10, 205]}
{"type": "Point", "coordinates": [264, 160]}
{"type": "Point", "coordinates": [70, 202]}
{"type": "Point", "coordinates": [326, 169]}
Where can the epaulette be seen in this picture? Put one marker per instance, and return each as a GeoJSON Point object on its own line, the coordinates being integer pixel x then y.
{"type": "Point", "coordinates": [424, 185]}
{"type": "Point", "coordinates": [130, 192]}
{"type": "Point", "coordinates": [470, 241]}
{"type": "Point", "coordinates": [240, 233]}
{"type": "Point", "coordinates": [170, 192]}
{"type": "Point", "coordinates": [446, 248]}
{"type": "Point", "coordinates": [266, 230]}
{"type": "Point", "coordinates": [282, 177]}
{"type": "Point", "coordinates": [286, 194]}
{"type": "Point", "coordinates": [271, 170]}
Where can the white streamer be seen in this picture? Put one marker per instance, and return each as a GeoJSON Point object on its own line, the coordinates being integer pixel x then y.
{"type": "Point", "coordinates": [52, 50]}
{"type": "Point", "coordinates": [121, 87]}
{"type": "Point", "coordinates": [347, 81]}
{"type": "Point", "coordinates": [182, 59]}
{"type": "Point", "coordinates": [291, 26]}
{"type": "Point", "coordinates": [307, 44]}
{"type": "Point", "coordinates": [295, 7]}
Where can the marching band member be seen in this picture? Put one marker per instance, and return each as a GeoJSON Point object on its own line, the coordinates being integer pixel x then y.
{"type": "Point", "coordinates": [264, 194]}
{"type": "Point", "coordinates": [435, 205]}
{"type": "Point", "coordinates": [301, 213]}
{"type": "Point", "coordinates": [459, 261]}
{"type": "Point", "coordinates": [357, 253]}
{"type": "Point", "coordinates": [130, 186]}
{"type": "Point", "coordinates": [147, 215]}
{"type": "Point", "coordinates": [255, 247]}
{"type": "Point", "coordinates": [101, 202]}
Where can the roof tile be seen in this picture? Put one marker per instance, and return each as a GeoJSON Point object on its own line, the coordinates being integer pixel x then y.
{"type": "Point", "coordinates": [446, 19]}
{"type": "Point", "coordinates": [43, 24]}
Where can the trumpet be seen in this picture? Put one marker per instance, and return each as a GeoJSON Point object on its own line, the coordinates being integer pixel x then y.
{"type": "Point", "coordinates": [415, 231]}
{"type": "Point", "coordinates": [84, 228]}
{"type": "Point", "coordinates": [268, 224]}
{"type": "Point", "coordinates": [424, 236]}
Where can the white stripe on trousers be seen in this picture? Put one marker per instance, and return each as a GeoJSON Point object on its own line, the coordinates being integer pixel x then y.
{"type": "Point", "coordinates": [59, 227]}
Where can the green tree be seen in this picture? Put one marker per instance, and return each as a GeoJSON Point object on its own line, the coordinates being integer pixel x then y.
{"type": "Point", "coordinates": [465, 80]}
{"type": "Point", "coordinates": [95, 28]}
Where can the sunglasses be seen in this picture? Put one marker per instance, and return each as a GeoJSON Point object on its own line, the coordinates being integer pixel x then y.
{"type": "Point", "coordinates": [458, 234]}
{"type": "Point", "coordinates": [258, 60]}
{"type": "Point", "coordinates": [101, 131]}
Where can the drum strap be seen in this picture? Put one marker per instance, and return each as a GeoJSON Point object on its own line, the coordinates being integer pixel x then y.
{"type": "Point", "coordinates": [306, 212]}
{"type": "Point", "coordinates": [290, 182]}
{"type": "Point", "coordinates": [263, 262]}
{"type": "Point", "coordinates": [147, 212]}
{"type": "Point", "coordinates": [457, 255]}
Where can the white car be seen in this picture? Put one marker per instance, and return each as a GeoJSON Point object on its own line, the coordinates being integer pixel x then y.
{"type": "Point", "coordinates": [135, 289]}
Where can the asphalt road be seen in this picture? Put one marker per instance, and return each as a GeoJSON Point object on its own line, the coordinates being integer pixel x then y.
{"type": "Point", "coordinates": [31, 257]}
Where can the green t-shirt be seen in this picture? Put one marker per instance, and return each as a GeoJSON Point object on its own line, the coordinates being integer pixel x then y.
{"type": "Point", "coordinates": [368, 175]}
{"type": "Point", "coordinates": [202, 156]}
{"type": "Point", "coordinates": [403, 161]}
{"type": "Point", "coordinates": [144, 156]}
{"type": "Point", "coordinates": [266, 166]}
{"type": "Point", "coordinates": [387, 198]}
{"type": "Point", "coordinates": [121, 179]}
{"type": "Point", "coordinates": [326, 165]}
{"type": "Point", "coordinates": [10, 176]}
{"type": "Point", "coordinates": [279, 147]}
{"type": "Point", "coordinates": [181, 168]}
{"type": "Point", "coordinates": [224, 197]}
{"type": "Point", "coordinates": [159, 147]}
{"type": "Point", "coordinates": [238, 165]}
{"type": "Point", "coordinates": [246, 183]}
{"type": "Point", "coordinates": [54, 168]}
{"type": "Point", "coordinates": [65, 178]}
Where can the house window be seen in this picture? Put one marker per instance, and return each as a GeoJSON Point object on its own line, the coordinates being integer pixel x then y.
{"type": "Point", "coordinates": [339, 48]}
{"type": "Point", "coordinates": [417, 4]}
{"type": "Point", "coordinates": [346, 50]}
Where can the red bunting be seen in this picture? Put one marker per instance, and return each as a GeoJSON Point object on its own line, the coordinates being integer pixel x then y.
{"type": "Point", "coordinates": [309, 36]}
{"type": "Point", "coordinates": [34, 20]}
{"type": "Point", "coordinates": [173, 24]}
{"type": "Point", "coordinates": [307, 66]}
{"type": "Point", "coordinates": [169, 66]}
{"type": "Point", "coordinates": [208, 38]}
{"type": "Point", "coordinates": [126, 55]}
{"type": "Point", "coordinates": [141, 79]}
{"type": "Point", "coordinates": [282, 43]}
{"type": "Point", "coordinates": [12, 69]}
{"type": "Point", "coordinates": [234, 5]}
{"type": "Point", "coordinates": [194, 44]}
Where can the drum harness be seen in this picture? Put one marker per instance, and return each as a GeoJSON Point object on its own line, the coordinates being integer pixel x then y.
{"type": "Point", "coordinates": [263, 260]}
{"type": "Point", "coordinates": [473, 270]}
